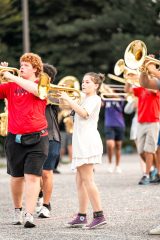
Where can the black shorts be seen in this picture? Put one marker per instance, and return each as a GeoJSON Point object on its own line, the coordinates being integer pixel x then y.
{"type": "Point", "coordinates": [114, 133]}
{"type": "Point", "coordinates": [25, 159]}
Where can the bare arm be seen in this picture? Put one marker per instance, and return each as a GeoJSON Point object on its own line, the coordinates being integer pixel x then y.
{"type": "Point", "coordinates": [74, 105]}
{"type": "Point", "coordinates": [28, 85]}
{"type": "Point", "coordinates": [147, 82]}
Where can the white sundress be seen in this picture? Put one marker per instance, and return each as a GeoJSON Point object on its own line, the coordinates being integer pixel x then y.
{"type": "Point", "coordinates": [86, 141]}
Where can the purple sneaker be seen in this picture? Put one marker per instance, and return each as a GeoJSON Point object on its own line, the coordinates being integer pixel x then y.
{"type": "Point", "coordinates": [78, 221]}
{"type": "Point", "coordinates": [96, 223]}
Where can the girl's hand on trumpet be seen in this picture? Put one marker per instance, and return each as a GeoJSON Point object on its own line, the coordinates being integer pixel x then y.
{"type": "Point", "coordinates": [64, 96]}
{"type": "Point", "coordinates": [74, 105]}
{"type": "Point", "coordinates": [64, 99]}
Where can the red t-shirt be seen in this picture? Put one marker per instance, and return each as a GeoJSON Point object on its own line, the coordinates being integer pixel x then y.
{"type": "Point", "coordinates": [26, 111]}
{"type": "Point", "coordinates": [148, 105]}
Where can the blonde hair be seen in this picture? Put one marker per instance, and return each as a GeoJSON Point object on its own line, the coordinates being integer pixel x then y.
{"type": "Point", "coordinates": [35, 60]}
{"type": "Point", "coordinates": [97, 78]}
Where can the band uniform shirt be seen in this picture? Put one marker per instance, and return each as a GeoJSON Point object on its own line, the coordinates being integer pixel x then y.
{"type": "Point", "coordinates": [26, 111]}
{"type": "Point", "coordinates": [148, 105]}
{"type": "Point", "coordinates": [86, 140]}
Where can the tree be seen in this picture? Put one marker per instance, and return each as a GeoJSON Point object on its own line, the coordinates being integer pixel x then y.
{"type": "Point", "coordinates": [79, 36]}
{"type": "Point", "coordinates": [10, 31]}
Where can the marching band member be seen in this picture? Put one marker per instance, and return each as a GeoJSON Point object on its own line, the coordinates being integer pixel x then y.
{"type": "Point", "coordinates": [150, 78]}
{"type": "Point", "coordinates": [87, 150]}
{"type": "Point", "coordinates": [148, 126]}
{"type": "Point", "coordinates": [27, 140]}
{"type": "Point", "coordinates": [114, 131]}
{"type": "Point", "coordinates": [44, 210]}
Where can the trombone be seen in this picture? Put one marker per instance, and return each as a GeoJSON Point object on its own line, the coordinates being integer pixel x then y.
{"type": "Point", "coordinates": [108, 92]}
{"type": "Point", "coordinates": [136, 54]}
{"type": "Point", "coordinates": [51, 92]}
{"type": "Point", "coordinates": [134, 81]}
{"type": "Point", "coordinates": [126, 96]}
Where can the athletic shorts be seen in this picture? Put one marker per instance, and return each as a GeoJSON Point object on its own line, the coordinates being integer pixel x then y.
{"type": "Point", "coordinates": [25, 159]}
{"type": "Point", "coordinates": [53, 155]}
{"type": "Point", "coordinates": [66, 139]}
{"type": "Point", "coordinates": [147, 137]}
{"type": "Point", "coordinates": [114, 133]}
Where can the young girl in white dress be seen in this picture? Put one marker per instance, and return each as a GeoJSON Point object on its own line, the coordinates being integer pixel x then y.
{"type": "Point", "coordinates": [87, 150]}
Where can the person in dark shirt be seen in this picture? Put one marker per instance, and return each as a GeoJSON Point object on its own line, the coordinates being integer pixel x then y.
{"type": "Point", "coordinates": [44, 211]}
{"type": "Point", "coordinates": [114, 131]}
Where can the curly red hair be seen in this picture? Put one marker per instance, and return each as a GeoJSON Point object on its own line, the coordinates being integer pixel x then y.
{"type": "Point", "coordinates": [35, 60]}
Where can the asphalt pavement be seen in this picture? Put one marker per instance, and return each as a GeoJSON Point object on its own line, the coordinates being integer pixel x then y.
{"type": "Point", "coordinates": [131, 210]}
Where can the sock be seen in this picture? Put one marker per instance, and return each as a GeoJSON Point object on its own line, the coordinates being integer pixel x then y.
{"type": "Point", "coordinates": [98, 214]}
{"type": "Point", "coordinates": [82, 214]}
{"type": "Point", "coordinates": [19, 208]}
{"type": "Point", "coordinates": [47, 206]}
{"type": "Point", "coordinates": [40, 194]}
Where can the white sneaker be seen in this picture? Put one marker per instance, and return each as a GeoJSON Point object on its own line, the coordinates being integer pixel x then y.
{"type": "Point", "coordinates": [29, 221]}
{"type": "Point", "coordinates": [118, 169]}
{"type": "Point", "coordinates": [18, 217]}
{"type": "Point", "coordinates": [155, 231]}
{"type": "Point", "coordinates": [110, 168]}
{"type": "Point", "coordinates": [44, 213]}
{"type": "Point", "coordinates": [39, 204]}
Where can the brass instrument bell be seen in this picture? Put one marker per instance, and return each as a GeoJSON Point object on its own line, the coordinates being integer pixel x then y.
{"type": "Point", "coordinates": [136, 54]}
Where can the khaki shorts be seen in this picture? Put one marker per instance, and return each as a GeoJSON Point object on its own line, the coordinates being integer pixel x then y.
{"type": "Point", "coordinates": [147, 137]}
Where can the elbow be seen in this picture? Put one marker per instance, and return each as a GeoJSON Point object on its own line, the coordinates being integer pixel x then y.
{"type": "Point", "coordinates": [84, 115]}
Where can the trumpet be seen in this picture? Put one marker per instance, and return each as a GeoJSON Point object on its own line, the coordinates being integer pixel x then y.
{"type": "Point", "coordinates": [136, 54]}
{"type": "Point", "coordinates": [52, 92]}
{"type": "Point", "coordinates": [12, 70]}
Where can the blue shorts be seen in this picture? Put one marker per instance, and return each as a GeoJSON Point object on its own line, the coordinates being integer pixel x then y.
{"type": "Point", "coordinates": [53, 155]}
{"type": "Point", "coordinates": [114, 133]}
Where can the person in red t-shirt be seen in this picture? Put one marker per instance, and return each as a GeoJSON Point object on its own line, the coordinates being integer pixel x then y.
{"type": "Point", "coordinates": [27, 140]}
{"type": "Point", "coordinates": [150, 78]}
{"type": "Point", "coordinates": [148, 126]}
